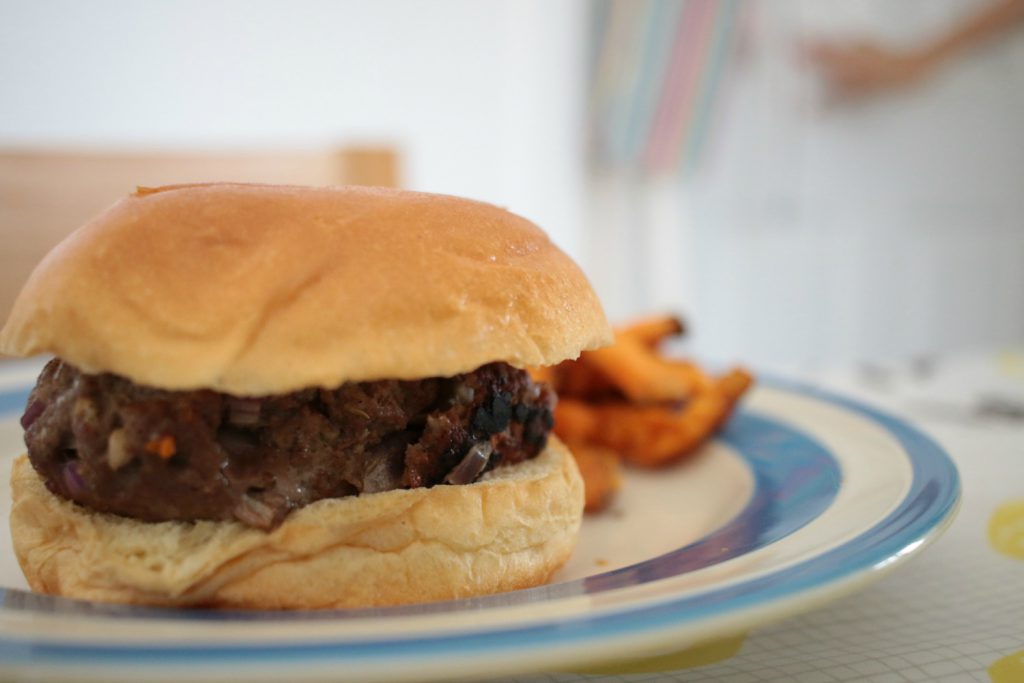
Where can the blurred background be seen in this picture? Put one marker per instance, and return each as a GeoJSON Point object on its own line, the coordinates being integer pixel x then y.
{"type": "Point", "coordinates": [809, 182]}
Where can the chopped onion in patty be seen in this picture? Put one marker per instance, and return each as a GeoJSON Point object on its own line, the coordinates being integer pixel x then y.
{"type": "Point", "coordinates": [243, 412]}
{"type": "Point", "coordinates": [470, 467]}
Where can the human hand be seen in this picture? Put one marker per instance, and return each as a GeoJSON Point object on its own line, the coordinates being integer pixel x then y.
{"type": "Point", "coordinates": [855, 70]}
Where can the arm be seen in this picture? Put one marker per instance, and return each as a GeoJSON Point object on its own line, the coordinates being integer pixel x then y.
{"type": "Point", "coordinates": [865, 68]}
{"type": "Point", "coordinates": [978, 29]}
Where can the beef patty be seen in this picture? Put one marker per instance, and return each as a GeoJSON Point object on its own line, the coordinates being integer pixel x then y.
{"type": "Point", "coordinates": [114, 446]}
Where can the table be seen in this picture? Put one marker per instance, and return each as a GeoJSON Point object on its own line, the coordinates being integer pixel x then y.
{"type": "Point", "coordinates": [954, 613]}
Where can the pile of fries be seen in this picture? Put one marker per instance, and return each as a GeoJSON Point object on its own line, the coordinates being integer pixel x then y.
{"type": "Point", "coordinates": [627, 402]}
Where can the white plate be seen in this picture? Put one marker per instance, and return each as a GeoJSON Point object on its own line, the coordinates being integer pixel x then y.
{"type": "Point", "coordinates": [803, 497]}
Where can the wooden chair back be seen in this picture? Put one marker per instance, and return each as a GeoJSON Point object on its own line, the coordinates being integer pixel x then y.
{"type": "Point", "coordinates": [44, 195]}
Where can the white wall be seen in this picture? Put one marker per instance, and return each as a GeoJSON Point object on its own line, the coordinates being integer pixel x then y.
{"type": "Point", "coordinates": [482, 97]}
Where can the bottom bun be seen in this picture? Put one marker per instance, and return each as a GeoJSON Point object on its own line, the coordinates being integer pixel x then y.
{"type": "Point", "coordinates": [509, 530]}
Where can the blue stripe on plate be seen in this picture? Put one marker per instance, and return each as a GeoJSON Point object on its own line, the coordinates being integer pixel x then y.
{"type": "Point", "coordinates": [931, 499]}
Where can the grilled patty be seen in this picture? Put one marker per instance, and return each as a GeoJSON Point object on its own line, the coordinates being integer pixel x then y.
{"type": "Point", "coordinates": [114, 446]}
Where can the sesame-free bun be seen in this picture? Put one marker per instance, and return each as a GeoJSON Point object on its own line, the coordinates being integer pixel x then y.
{"type": "Point", "coordinates": [509, 530]}
{"type": "Point", "coordinates": [261, 289]}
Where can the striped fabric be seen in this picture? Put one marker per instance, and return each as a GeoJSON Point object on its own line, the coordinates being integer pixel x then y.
{"type": "Point", "coordinates": [656, 73]}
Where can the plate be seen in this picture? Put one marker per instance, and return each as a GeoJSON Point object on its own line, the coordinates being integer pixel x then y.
{"type": "Point", "coordinates": [802, 498]}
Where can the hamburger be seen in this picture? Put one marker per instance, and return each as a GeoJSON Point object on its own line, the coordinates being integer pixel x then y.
{"type": "Point", "coordinates": [288, 397]}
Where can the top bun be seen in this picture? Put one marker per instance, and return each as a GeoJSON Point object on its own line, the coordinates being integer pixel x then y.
{"type": "Point", "coordinates": [263, 289]}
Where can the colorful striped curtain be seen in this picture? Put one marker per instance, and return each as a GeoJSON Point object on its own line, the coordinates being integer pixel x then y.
{"type": "Point", "coordinates": [657, 68]}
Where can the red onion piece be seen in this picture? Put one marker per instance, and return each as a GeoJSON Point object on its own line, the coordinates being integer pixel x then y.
{"type": "Point", "coordinates": [32, 413]}
{"type": "Point", "coordinates": [471, 465]}
{"type": "Point", "coordinates": [254, 513]}
{"type": "Point", "coordinates": [73, 480]}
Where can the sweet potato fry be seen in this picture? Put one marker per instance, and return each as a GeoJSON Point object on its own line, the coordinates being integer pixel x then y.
{"type": "Point", "coordinates": [638, 372]}
{"type": "Point", "coordinates": [629, 403]}
{"type": "Point", "coordinates": [576, 421]}
{"type": "Point", "coordinates": [579, 379]}
{"type": "Point", "coordinates": [602, 474]}
{"type": "Point", "coordinates": [689, 428]}
{"type": "Point", "coordinates": [655, 435]}
{"type": "Point", "coordinates": [735, 383]}
{"type": "Point", "coordinates": [543, 373]}
{"type": "Point", "coordinates": [688, 375]}
{"type": "Point", "coordinates": [638, 433]}
{"type": "Point", "coordinates": [651, 331]}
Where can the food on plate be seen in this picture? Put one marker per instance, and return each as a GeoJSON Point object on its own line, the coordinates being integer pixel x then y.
{"type": "Point", "coordinates": [601, 472]}
{"type": "Point", "coordinates": [286, 397]}
{"type": "Point", "coordinates": [630, 401]}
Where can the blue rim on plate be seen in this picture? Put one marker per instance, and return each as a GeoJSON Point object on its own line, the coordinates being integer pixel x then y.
{"type": "Point", "coordinates": [807, 480]}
